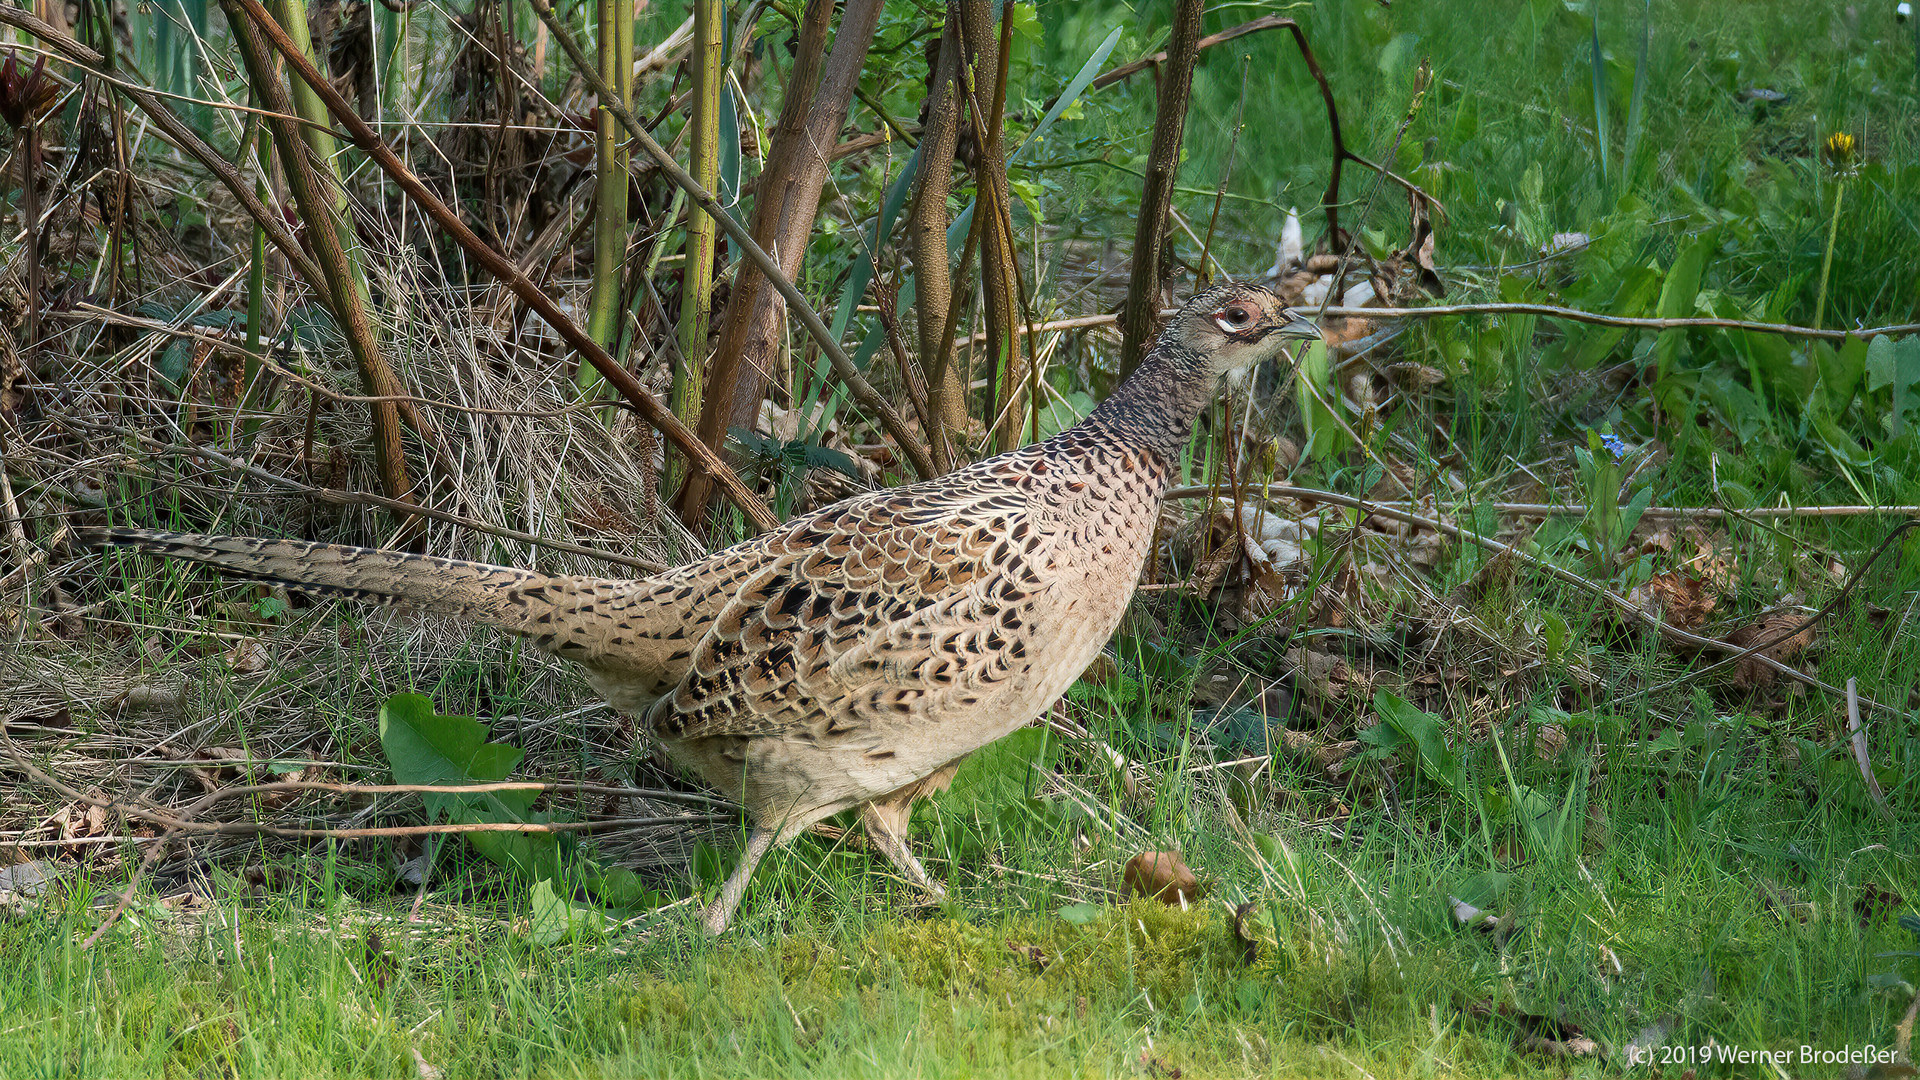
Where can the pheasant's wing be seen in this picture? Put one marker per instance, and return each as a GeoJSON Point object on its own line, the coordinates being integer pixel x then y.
{"type": "Point", "coordinates": [866, 613]}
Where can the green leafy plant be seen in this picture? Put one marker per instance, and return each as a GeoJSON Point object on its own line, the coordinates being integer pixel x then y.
{"type": "Point", "coordinates": [424, 747]}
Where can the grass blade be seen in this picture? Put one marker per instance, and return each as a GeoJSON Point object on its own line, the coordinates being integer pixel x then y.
{"type": "Point", "coordinates": [1600, 94]}
{"type": "Point", "coordinates": [1639, 94]}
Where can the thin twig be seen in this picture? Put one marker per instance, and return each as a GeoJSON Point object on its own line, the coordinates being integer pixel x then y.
{"type": "Point", "coordinates": [1857, 737]}
{"type": "Point", "coordinates": [1551, 311]}
{"type": "Point", "coordinates": [133, 885]}
{"type": "Point", "coordinates": [184, 824]}
{"type": "Point", "coordinates": [1620, 603]}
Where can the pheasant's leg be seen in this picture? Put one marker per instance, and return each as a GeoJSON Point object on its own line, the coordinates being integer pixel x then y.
{"type": "Point", "coordinates": [886, 822]}
{"type": "Point", "coordinates": [720, 912]}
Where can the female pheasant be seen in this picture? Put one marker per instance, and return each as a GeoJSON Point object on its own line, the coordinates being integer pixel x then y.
{"type": "Point", "coordinates": [853, 656]}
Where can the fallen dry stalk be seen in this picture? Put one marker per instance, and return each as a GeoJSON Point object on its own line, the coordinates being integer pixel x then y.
{"type": "Point", "coordinates": [182, 823]}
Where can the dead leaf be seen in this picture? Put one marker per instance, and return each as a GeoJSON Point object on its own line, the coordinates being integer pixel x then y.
{"type": "Point", "coordinates": [1156, 1068]}
{"type": "Point", "coordinates": [1164, 876]}
{"type": "Point", "coordinates": [1677, 598]}
{"type": "Point", "coordinates": [1750, 673]}
{"type": "Point", "coordinates": [1033, 954]}
{"type": "Point", "coordinates": [1326, 680]}
{"type": "Point", "coordinates": [249, 657]}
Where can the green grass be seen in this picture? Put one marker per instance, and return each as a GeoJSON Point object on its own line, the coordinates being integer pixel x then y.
{"type": "Point", "coordinates": [1665, 915]}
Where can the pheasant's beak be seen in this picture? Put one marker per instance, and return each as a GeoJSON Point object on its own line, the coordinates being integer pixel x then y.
{"type": "Point", "coordinates": [1298, 326]}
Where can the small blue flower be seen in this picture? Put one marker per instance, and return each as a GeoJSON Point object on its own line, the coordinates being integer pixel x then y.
{"type": "Point", "coordinates": [1614, 445]}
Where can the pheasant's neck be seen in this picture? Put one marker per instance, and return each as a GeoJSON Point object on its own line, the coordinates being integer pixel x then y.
{"type": "Point", "coordinates": [1154, 409]}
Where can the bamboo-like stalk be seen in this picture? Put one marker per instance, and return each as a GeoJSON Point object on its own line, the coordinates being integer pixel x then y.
{"type": "Point", "coordinates": [843, 367]}
{"type": "Point", "coordinates": [696, 288]}
{"type": "Point", "coordinates": [781, 160]}
{"type": "Point", "coordinates": [1156, 199]}
{"type": "Point", "coordinates": [787, 204]}
{"type": "Point", "coordinates": [610, 185]}
{"type": "Point", "coordinates": [927, 241]}
{"type": "Point", "coordinates": [335, 245]}
{"type": "Point", "coordinates": [256, 283]}
{"type": "Point", "coordinates": [985, 88]}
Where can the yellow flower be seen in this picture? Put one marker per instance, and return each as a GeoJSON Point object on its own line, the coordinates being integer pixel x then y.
{"type": "Point", "coordinates": [1839, 149]}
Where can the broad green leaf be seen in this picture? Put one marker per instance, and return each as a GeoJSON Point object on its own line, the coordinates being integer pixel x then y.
{"type": "Point", "coordinates": [530, 856]}
{"type": "Point", "coordinates": [554, 919]}
{"type": "Point", "coordinates": [1600, 94]}
{"type": "Point", "coordinates": [1841, 371]}
{"type": "Point", "coordinates": [1079, 914]}
{"type": "Point", "coordinates": [1640, 81]}
{"type": "Point", "coordinates": [1683, 280]}
{"type": "Point", "coordinates": [1423, 730]}
{"type": "Point", "coordinates": [1677, 295]}
{"type": "Point", "coordinates": [1484, 889]}
{"type": "Point", "coordinates": [426, 748]}
{"type": "Point", "coordinates": [1635, 293]}
{"type": "Point", "coordinates": [1058, 415]}
{"type": "Point", "coordinates": [997, 775]}
{"type": "Point", "coordinates": [1880, 362]}
{"type": "Point", "coordinates": [1901, 366]}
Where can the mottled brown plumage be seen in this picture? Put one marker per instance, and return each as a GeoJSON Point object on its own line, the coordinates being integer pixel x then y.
{"type": "Point", "coordinates": [853, 656]}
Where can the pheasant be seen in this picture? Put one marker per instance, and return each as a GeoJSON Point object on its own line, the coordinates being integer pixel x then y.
{"type": "Point", "coordinates": [853, 656]}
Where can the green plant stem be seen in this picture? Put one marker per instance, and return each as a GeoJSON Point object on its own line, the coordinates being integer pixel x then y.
{"type": "Point", "coordinates": [1826, 260]}
{"type": "Point", "coordinates": [610, 185]}
{"type": "Point", "coordinates": [696, 291]}
{"type": "Point", "coordinates": [257, 287]}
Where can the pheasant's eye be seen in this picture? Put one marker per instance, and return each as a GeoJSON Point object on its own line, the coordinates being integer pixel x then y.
{"type": "Point", "coordinates": [1233, 317]}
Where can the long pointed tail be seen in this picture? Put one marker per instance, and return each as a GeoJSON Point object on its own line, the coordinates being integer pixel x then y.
{"type": "Point", "coordinates": [497, 595]}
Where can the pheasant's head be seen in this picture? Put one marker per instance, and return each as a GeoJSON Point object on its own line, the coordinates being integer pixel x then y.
{"type": "Point", "coordinates": [1234, 326]}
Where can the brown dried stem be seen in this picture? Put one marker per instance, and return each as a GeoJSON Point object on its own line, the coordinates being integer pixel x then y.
{"type": "Point", "coordinates": [1156, 198]}
{"type": "Point", "coordinates": [927, 243]}
{"type": "Point", "coordinates": [999, 275]}
{"type": "Point", "coordinates": [787, 206]}
{"type": "Point", "coordinates": [330, 228]}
